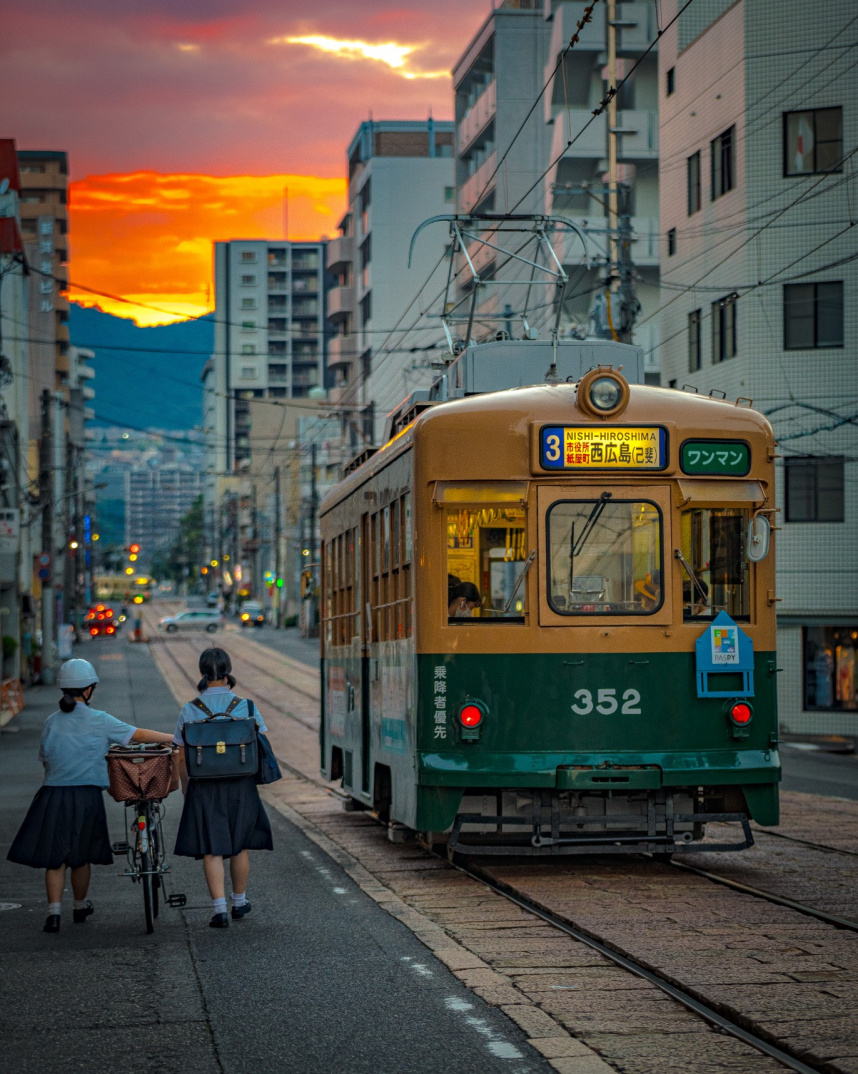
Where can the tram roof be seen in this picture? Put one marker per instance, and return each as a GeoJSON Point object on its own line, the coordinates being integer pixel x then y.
{"type": "Point", "coordinates": [511, 412]}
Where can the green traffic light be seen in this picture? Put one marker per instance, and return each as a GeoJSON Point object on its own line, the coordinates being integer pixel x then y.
{"type": "Point", "coordinates": [279, 583]}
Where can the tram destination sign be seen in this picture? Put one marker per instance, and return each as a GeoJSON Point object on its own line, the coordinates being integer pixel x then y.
{"type": "Point", "coordinates": [614, 447]}
{"type": "Point", "coordinates": [730, 458]}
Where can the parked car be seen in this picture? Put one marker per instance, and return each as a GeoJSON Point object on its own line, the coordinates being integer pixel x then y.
{"type": "Point", "coordinates": [192, 619]}
{"type": "Point", "coordinates": [212, 599]}
{"type": "Point", "coordinates": [251, 614]}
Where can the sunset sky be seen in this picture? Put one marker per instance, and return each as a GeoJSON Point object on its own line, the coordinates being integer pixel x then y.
{"type": "Point", "coordinates": [186, 123]}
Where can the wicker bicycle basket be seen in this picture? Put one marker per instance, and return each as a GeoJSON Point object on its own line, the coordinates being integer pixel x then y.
{"type": "Point", "coordinates": [139, 775]}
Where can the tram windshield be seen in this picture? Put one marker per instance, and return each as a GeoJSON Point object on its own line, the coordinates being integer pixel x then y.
{"type": "Point", "coordinates": [487, 564]}
{"type": "Point", "coordinates": [604, 557]}
{"type": "Point", "coordinates": [713, 546]}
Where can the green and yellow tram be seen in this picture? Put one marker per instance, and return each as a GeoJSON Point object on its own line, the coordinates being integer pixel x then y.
{"type": "Point", "coordinates": [548, 620]}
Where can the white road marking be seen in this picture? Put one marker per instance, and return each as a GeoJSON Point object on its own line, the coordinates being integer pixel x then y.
{"type": "Point", "coordinates": [456, 1004]}
{"type": "Point", "coordinates": [502, 1050]}
{"type": "Point", "coordinates": [339, 891]}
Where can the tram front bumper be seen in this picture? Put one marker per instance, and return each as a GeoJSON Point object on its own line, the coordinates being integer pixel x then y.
{"type": "Point", "coordinates": [564, 771]}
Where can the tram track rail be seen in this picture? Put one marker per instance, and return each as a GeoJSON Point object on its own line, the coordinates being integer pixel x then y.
{"type": "Point", "coordinates": [684, 996]}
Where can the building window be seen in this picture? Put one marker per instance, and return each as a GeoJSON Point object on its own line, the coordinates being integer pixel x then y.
{"type": "Point", "coordinates": [248, 326]}
{"type": "Point", "coordinates": [449, 193]}
{"type": "Point", "coordinates": [248, 281]}
{"type": "Point", "coordinates": [814, 489]}
{"type": "Point", "coordinates": [366, 309]}
{"type": "Point", "coordinates": [694, 319]}
{"type": "Point", "coordinates": [248, 348]}
{"type": "Point", "coordinates": [248, 256]}
{"type": "Point", "coordinates": [248, 372]}
{"type": "Point", "coordinates": [724, 328]}
{"type": "Point", "coordinates": [671, 81]}
{"type": "Point", "coordinates": [671, 242]}
{"type": "Point", "coordinates": [693, 163]}
{"type": "Point", "coordinates": [723, 164]}
{"type": "Point", "coordinates": [248, 303]}
{"type": "Point", "coordinates": [276, 256]}
{"type": "Point", "coordinates": [829, 668]}
{"type": "Point", "coordinates": [813, 315]}
{"type": "Point", "coordinates": [813, 141]}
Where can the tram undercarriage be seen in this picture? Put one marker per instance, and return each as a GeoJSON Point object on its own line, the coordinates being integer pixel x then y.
{"type": "Point", "coordinates": [549, 822]}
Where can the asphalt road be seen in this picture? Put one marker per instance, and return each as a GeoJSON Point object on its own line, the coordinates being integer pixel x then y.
{"type": "Point", "coordinates": [815, 772]}
{"type": "Point", "coordinates": [317, 979]}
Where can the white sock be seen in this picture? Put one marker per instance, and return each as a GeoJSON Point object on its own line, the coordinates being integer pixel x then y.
{"type": "Point", "coordinates": [219, 905]}
{"type": "Point", "coordinates": [239, 900]}
{"type": "Point", "coordinates": [80, 904]}
{"type": "Point", "coordinates": [54, 907]}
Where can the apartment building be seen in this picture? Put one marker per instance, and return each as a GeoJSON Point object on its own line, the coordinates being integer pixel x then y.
{"type": "Point", "coordinates": [270, 342]}
{"type": "Point", "coordinates": [400, 174]}
{"type": "Point", "coordinates": [758, 124]}
{"type": "Point", "coordinates": [156, 499]}
{"type": "Point", "coordinates": [555, 160]}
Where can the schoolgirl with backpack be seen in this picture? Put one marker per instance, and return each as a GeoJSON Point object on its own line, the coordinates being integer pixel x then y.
{"type": "Point", "coordinates": [223, 815]}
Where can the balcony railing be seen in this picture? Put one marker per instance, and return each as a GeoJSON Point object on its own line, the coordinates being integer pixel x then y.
{"type": "Point", "coordinates": [470, 191]}
{"type": "Point", "coordinates": [481, 112]}
{"type": "Point", "coordinates": [341, 251]}
{"type": "Point", "coordinates": [341, 301]}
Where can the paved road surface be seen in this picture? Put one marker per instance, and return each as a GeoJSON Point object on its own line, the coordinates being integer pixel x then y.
{"type": "Point", "coordinates": [816, 772]}
{"type": "Point", "coordinates": [317, 979]}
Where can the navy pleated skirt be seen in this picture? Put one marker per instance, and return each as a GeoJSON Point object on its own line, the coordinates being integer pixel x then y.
{"type": "Point", "coordinates": [63, 826]}
{"type": "Point", "coordinates": [223, 817]}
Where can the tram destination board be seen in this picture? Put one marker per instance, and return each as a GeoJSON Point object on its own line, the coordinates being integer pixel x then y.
{"type": "Point", "coordinates": [616, 447]}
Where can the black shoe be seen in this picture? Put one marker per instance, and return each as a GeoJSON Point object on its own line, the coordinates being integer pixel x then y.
{"type": "Point", "coordinates": [81, 915]}
{"type": "Point", "coordinates": [240, 911]}
{"type": "Point", "coordinates": [219, 921]}
{"type": "Point", "coordinates": [52, 923]}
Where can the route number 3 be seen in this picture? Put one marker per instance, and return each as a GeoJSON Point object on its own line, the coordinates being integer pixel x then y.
{"type": "Point", "coordinates": [552, 448]}
{"type": "Point", "coordinates": [607, 703]}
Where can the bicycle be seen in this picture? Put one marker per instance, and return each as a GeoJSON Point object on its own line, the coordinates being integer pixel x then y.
{"type": "Point", "coordinates": [144, 846]}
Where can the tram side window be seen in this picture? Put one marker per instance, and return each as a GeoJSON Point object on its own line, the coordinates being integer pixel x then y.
{"type": "Point", "coordinates": [605, 557]}
{"type": "Point", "coordinates": [340, 595]}
{"type": "Point", "coordinates": [390, 566]}
{"type": "Point", "coordinates": [713, 545]}
{"type": "Point", "coordinates": [487, 552]}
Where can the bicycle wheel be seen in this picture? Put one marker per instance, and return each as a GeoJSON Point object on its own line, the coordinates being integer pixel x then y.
{"type": "Point", "coordinates": [146, 867]}
{"type": "Point", "coordinates": [155, 847]}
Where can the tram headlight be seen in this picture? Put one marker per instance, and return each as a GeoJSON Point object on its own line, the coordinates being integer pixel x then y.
{"type": "Point", "coordinates": [603, 392]}
{"type": "Point", "coordinates": [471, 718]}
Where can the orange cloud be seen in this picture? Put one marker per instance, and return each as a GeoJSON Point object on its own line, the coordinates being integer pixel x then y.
{"type": "Point", "coordinates": [147, 238]}
{"type": "Point", "coordinates": [389, 53]}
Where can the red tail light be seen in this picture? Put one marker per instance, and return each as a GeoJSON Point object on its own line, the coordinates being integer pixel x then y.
{"type": "Point", "coordinates": [471, 716]}
{"type": "Point", "coordinates": [111, 630]}
{"type": "Point", "coordinates": [93, 630]}
{"type": "Point", "coordinates": [741, 713]}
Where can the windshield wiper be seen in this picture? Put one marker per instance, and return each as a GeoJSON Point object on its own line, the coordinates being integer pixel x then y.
{"type": "Point", "coordinates": [520, 579]}
{"type": "Point", "coordinates": [575, 547]}
{"type": "Point", "coordinates": [698, 585]}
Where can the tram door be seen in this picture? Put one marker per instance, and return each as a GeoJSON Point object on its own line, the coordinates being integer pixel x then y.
{"type": "Point", "coordinates": [367, 593]}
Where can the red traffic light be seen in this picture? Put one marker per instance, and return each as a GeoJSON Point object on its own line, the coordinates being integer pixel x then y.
{"type": "Point", "coordinates": [134, 549]}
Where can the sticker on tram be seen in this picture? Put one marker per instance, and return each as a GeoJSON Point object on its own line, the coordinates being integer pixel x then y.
{"type": "Point", "coordinates": [589, 447]}
{"type": "Point", "coordinates": [728, 457]}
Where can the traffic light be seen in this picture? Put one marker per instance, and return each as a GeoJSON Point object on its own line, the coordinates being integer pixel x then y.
{"type": "Point", "coordinates": [279, 583]}
{"type": "Point", "coordinates": [134, 549]}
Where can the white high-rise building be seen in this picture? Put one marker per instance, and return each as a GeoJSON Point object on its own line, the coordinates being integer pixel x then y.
{"type": "Point", "coordinates": [400, 174]}
{"type": "Point", "coordinates": [758, 126]}
{"type": "Point", "coordinates": [269, 333]}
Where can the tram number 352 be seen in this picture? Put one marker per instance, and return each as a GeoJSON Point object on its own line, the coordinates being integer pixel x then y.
{"type": "Point", "coordinates": [607, 702]}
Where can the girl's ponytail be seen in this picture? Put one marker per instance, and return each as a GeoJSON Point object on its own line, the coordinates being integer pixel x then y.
{"type": "Point", "coordinates": [67, 702]}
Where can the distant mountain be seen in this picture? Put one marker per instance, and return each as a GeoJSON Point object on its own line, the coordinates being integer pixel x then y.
{"type": "Point", "coordinates": [145, 377]}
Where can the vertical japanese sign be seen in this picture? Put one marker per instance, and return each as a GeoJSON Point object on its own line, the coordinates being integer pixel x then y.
{"type": "Point", "coordinates": [46, 263]}
{"type": "Point", "coordinates": [439, 692]}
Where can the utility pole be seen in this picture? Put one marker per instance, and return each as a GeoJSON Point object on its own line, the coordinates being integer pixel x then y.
{"type": "Point", "coordinates": [619, 205]}
{"type": "Point", "coordinates": [46, 497]}
{"type": "Point", "coordinates": [277, 589]}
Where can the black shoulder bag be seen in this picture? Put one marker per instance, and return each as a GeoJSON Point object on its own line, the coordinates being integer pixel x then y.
{"type": "Point", "coordinates": [221, 746]}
